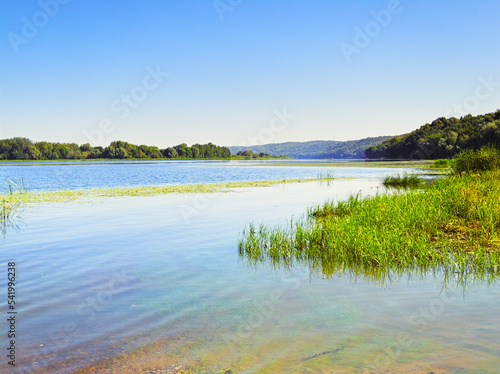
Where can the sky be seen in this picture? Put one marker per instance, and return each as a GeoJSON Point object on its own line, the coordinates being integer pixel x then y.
{"type": "Point", "coordinates": [242, 72]}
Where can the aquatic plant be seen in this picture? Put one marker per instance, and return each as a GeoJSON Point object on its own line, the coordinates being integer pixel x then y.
{"type": "Point", "coordinates": [326, 176]}
{"type": "Point", "coordinates": [404, 181]}
{"type": "Point", "coordinates": [10, 210]}
{"type": "Point", "coordinates": [16, 187]}
{"type": "Point", "coordinates": [453, 227]}
{"type": "Point", "coordinates": [91, 195]}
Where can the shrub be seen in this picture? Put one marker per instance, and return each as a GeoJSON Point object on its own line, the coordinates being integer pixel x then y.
{"type": "Point", "coordinates": [487, 158]}
{"type": "Point", "coordinates": [441, 163]}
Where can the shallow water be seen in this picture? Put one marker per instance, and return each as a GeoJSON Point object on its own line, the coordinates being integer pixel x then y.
{"type": "Point", "coordinates": [154, 284]}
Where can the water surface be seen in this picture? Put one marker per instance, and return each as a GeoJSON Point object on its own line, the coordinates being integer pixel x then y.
{"type": "Point", "coordinates": [135, 284]}
{"type": "Point", "coordinates": [50, 175]}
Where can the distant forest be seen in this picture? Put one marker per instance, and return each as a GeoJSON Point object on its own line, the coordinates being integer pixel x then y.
{"type": "Point", "coordinates": [25, 149]}
{"type": "Point", "coordinates": [316, 148]}
{"type": "Point", "coordinates": [443, 138]}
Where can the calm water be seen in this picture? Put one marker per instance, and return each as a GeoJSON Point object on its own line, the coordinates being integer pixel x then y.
{"type": "Point", "coordinates": [132, 285]}
{"type": "Point", "coordinates": [78, 175]}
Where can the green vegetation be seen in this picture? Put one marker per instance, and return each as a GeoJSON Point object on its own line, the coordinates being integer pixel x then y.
{"type": "Point", "coordinates": [487, 158]}
{"type": "Point", "coordinates": [453, 226]}
{"type": "Point", "coordinates": [25, 149]}
{"type": "Point", "coordinates": [405, 181]}
{"type": "Point", "coordinates": [442, 163]}
{"type": "Point", "coordinates": [249, 155]}
{"type": "Point", "coordinates": [10, 209]}
{"type": "Point", "coordinates": [443, 138]}
{"type": "Point", "coordinates": [16, 188]}
{"type": "Point", "coordinates": [326, 176]}
{"type": "Point", "coordinates": [315, 149]}
{"type": "Point", "coordinates": [91, 195]}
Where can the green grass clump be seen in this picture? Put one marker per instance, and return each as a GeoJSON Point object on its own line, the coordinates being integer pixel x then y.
{"type": "Point", "coordinates": [326, 176]}
{"type": "Point", "coordinates": [487, 158]}
{"type": "Point", "coordinates": [453, 226]}
{"type": "Point", "coordinates": [442, 163]}
{"type": "Point", "coordinates": [340, 209]}
{"type": "Point", "coordinates": [405, 181]}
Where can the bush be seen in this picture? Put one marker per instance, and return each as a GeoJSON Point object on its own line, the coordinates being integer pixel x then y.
{"type": "Point", "coordinates": [441, 163]}
{"type": "Point", "coordinates": [487, 158]}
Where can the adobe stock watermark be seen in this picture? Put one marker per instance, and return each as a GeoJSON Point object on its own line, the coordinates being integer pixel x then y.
{"type": "Point", "coordinates": [123, 105]}
{"type": "Point", "coordinates": [263, 310]}
{"type": "Point", "coordinates": [483, 91]}
{"type": "Point", "coordinates": [200, 202]}
{"type": "Point", "coordinates": [424, 151]}
{"type": "Point", "coordinates": [32, 25]}
{"type": "Point", "coordinates": [278, 123]}
{"type": "Point", "coordinates": [423, 317]}
{"type": "Point", "coordinates": [364, 36]}
{"type": "Point", "coordinates": [223, 6]}
{"type": "Point", "coordinates": [485, 88]}
{"type": "Point", "coordinates": [85, 314]}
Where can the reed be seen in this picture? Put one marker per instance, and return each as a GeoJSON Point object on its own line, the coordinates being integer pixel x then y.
{"type": "Point", "coordinates": [16, 187]}
{"type": "Point", "coordinates": [326, 176]}
{"type": "Point", "coordinates": [452, 227]}
{"type": "Point", "coordinates": [404, 181]}
{"type": "Point", "coordinates": [10, 209]}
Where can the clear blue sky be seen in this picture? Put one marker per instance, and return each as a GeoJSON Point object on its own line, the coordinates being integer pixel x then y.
{"type": "Point", "coordinates": [71, 66]}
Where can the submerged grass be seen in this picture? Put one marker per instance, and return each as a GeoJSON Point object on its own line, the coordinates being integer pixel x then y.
{"type": "Point", "coordinates": [93, 194]}
{"type": "Point", "coordinates": [10, 209]}
{"type": "Point", "coordinates": [453, 226]}
{"type": "Point", "coordinates": [9, 215]}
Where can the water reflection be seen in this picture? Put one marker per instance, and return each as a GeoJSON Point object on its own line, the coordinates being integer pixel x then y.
{"type": "Point", "coordinates": [10, 208]}
{"type": "Point", "coordinates": [453, 275]}
{"type": "Point", "coordinates": [10, 216]}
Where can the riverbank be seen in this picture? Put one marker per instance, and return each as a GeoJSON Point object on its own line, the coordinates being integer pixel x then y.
{"type": "Point", "coordinates": [454, 225]}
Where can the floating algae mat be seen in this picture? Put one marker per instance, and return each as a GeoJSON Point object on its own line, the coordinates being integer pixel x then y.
{"type": "Point", "coordinates": [91, 194]}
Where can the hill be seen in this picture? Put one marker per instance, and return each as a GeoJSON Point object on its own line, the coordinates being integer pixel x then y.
{"type": "Point", "coordinates": [443, 138]}
{"type": "Point", "coordinates": [316, 148]}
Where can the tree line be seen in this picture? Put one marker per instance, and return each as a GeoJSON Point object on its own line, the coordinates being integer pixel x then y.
{"type": "Point", "coordinates": [443, 138]}
{"type": "Point", "coordinates": [249, 154]}
{"type": "Point", "coordinates": [25, 149]}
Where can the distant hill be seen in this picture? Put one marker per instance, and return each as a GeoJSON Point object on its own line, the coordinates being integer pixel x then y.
{"type": "Point", "coordinates": [443, 138]}
{"type": "Point", "coordinates": [315, 149]}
